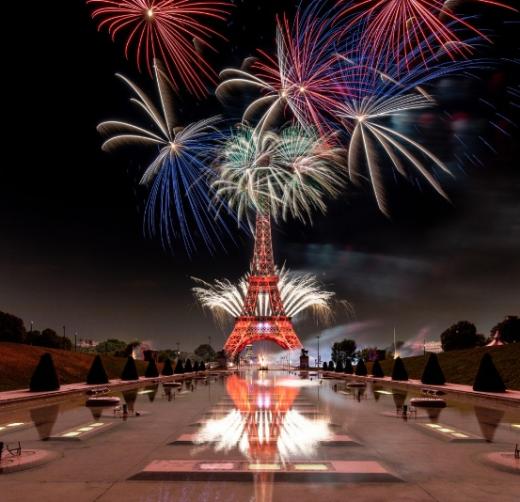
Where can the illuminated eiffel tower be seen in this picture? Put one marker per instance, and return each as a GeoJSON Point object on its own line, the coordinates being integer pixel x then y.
{"type": "Point", "coordinates": [263, 314]}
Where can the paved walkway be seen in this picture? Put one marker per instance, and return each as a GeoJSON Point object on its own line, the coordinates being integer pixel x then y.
{"type": "Point", "coordinates": [509, 397]}
{"type": "Point", "coordinates": [24, 395]}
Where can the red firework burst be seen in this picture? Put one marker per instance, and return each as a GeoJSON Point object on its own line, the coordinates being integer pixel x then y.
{"type": "Point", "coordinates": [168, 30]}
{"type": "Point", "coordinates": [404, 25]}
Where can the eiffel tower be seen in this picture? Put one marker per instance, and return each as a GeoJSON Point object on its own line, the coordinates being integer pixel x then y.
{"type": "Point", "coordinates": [263, 314]}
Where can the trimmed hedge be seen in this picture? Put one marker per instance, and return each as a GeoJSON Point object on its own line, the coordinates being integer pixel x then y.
{"type": "Point", "coordinates": [377, 371]}
{"type": "Point", "coordinates": [488, 378]}
{"type": "Point", "coordinates": [167, 369]}
{"type": "Point", "coordinates": [361, 369]}
{"type": "Point", "coordinates": [432, 373]}
{"type": "Point", "coordinates": [97, 374]}
{"type": "Point", "coordinates": [151, 370]}
{"type": "Point", "coordinates": [179, 368]}
{"type": "Point", "coordinates": [130, 370]}
{"type": "Point", "coordinates": [348, 367]}
{"type": "Point", "coordinates": [45, 378]}
{"type": "Point", "coordinates": [399, 372]}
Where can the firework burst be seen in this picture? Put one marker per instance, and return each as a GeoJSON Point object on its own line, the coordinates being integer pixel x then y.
{"type": "Point", "coordinates": [303, 77]}
{"type": "Point", "coordinates": [178, 176]}
{"type": "Point", "coordinates": [286, 174]}
{"type": "Point", "coordinates": [168, 30]}
{"type": "Point", "coordinates": [300, 293]}
{"type": "Point", "coordinates": [376, 95]}
{"type": "Point", "coordinates": [403, 25]}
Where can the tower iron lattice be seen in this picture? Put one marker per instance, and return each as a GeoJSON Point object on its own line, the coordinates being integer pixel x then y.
{"type": "Point", "coordinates": [263, 314]}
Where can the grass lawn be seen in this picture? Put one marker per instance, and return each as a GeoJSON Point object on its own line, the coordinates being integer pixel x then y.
{"type": "Point", "coordinates": [17, 363]}
{"type": "Point", "coordinates": [460, 366]}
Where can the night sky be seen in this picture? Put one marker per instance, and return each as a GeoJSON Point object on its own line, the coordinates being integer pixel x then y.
{"type": "Point", "coordinates": [72, 250]}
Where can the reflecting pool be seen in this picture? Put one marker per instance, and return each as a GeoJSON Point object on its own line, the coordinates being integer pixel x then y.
{"type": "Point", "coordinates": [263, 436]}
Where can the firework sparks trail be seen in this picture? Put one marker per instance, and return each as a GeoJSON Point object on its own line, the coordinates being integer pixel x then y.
{"type": "Point", "coordinates": [300, 293]}
{"type": "Point", "coordinates": [287, 174]}
{"type": "Point", "coordinates": [179, 175]}
{"type": "Point", "coordinates": [169, 30]}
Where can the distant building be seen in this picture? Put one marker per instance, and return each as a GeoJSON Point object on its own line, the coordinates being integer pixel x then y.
{"type": "Point", "coordinates": [87, 344]}
{"type": "Point", "coordinates": [435, 347]}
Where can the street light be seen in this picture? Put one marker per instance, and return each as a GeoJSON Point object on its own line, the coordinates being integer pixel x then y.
{"type": "Point", "coordinates": [319, 361]}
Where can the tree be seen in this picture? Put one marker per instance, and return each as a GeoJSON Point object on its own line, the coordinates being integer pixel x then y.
{"type": "Point", "coordinates": [339, 367]}
{"type": "Point", "coordinates": [462, 335]}
{"type": "Point", "coordinates": [488, 378]}
{"type": "Point", "coordinates": [331, 366]}
{"type": "Point", "coordinates": [222, 359]}
{"type": "Point", "coordinates": [151, 370]}
{"type": "Point", "coordinates": [361, 369]}
{"type": "Point", "coordinates": [509, 329]}
{"type": "Point", "coordinates": [32, 337]}
{"type": "Point", "coordinates": [12, 328]}
{"type": "Point", "coordinates": [179, 368]}
{"type": "Point", "coordinates": [97, 374]}
{"type": "Point", "coordinates": [348, 367]}
{"type": "Point", "coordinates": [167, 369]}
{"type": "Point", "coordinates": [130, 370]}
{"type": "Point", "coordinates": [188, 368]}
{"type": "Point", "coordinates": [111, 345]}
{"type": "Point", "coordinates": [196, 366]}
{"type": "Point", "coordinates": [166, 354]}
{"type": "Point", "coordinates": [377, 371]}
{"type": "Point", "coordinates": [325, 366]}
{"type": "Point", "coordinates": [399, 372]}
{"type": "Point", "coordinates": [202, 366]}
{"type": "Point", "coordinates": [44, 378]}
{"type": "Point", "coordinates": [206, 352]}
{"type": "Point", "coordinates": [49, 338]}
{"type": "Point", "coordinates": [343, 350]}
{"type": "Point", "coordinates": [432, 373]}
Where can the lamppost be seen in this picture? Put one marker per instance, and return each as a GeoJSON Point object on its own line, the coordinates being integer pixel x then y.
{"type": "Point", "coordinates": [319, 361]}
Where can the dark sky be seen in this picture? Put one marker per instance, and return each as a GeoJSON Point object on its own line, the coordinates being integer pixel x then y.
{"type": "Point", "coordinates": [72, 250]}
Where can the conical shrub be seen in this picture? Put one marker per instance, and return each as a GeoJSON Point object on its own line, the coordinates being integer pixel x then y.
{"type": "Point", "coordinates": [130, 370]}
{"type": "Point", "coordinates": [167, 369]}
{"type": "Point", "coordinates": [196, 366]}
{"type": "Point", "coordinates": [348, 367]}
{"type": "Point", "coordinates": [179, 368]}
{"type": "Point", "coordinates": [377, 371]}
{"type": "Point", "coordinates": [488, 378]}
{"type": "Point", "coordinates": [432, 373]}
{"type": "Point", "coordinates": [361, 369]}
{"type": "Point", "coordinates": [202, 366]}
{"type": "Point", "coordinates": [188, 368]}
{"type": "Point", "coordinates": [97, 374]}
{"type": "Point", "coordinates": [399, 372]}
{"type": "Point", "coordinates": [325, 366]}
{"type": "Point", "coordinates": [151, 370]}
{"type": "Point", "coordinates": [339, 367]}
{"type": "Point", "coordinates": [331, 366]}
{"type": "Point", "coordinates": [44, 377]}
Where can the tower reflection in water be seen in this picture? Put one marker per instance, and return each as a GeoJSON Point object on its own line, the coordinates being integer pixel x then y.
{"type": "Point", "coordinates": [266, 424]}
{"type": "Point", "coordinates": [267, 427]}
